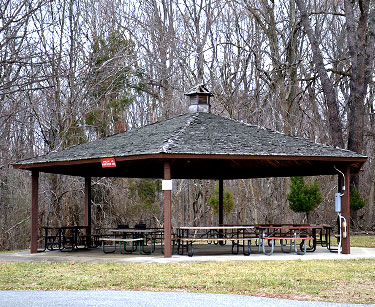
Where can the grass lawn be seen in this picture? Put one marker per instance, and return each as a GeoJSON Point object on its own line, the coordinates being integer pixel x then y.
{"type": "Point", "coordinates": [362, 241]}
{"type": "Point", "coordinates": [349, 281]}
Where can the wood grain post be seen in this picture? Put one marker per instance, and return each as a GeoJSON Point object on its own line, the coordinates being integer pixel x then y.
{"type": "Point", "coordinates": [88, 209]}
{"type": "Point", "coordinates": [221, 202]}
{"type": "Point", "coordinates": [167, 214]}
{"type": "Point", "coordinates": [221, 209]}
{"type": "Point", "coordinates": [34, 211]}
{"type": "Point", "coordinates": [345, 211]}
{"type": "Point", "coordinates": [340, 182]}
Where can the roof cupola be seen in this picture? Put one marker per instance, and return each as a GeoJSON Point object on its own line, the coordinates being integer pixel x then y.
{"type": "Point", "coordinates": [199, 99]}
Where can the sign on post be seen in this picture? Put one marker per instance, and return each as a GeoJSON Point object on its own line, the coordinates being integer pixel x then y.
{"type": "Point", "coordinates": [166, 185]}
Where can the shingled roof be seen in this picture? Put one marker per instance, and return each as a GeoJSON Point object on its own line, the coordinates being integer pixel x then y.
{"type": "Point", "coordinates": [218, 143]}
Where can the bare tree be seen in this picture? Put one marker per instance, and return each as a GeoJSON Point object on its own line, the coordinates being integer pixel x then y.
{"type": "Point", "coordinates": [335, 125]}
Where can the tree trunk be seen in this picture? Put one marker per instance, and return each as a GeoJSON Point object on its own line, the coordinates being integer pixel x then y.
{"type": "Point", "coordinates": [361, 52]}
{"type": "Point", "coordinates": [371, 202]}
{"type": "Point", "coordinates": [334, 122]}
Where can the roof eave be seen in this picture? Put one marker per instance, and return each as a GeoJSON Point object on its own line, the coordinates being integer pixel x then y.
{"type": "Point", "coordinates": [36, 165]}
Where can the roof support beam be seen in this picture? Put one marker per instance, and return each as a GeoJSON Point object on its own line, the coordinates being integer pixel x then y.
{"type": "Point", "coordinates": [34, 211]}
{"type": "Point", "coordinates": [221, 208]}
{"type": "Point", "coordinates": [88, 209]}
{"type": "Point", "coordinates": [167, 213]}
{"type": "Point", "coordinates": [345, 211]}
{"type": "Point", "coordinates": [221, 202]}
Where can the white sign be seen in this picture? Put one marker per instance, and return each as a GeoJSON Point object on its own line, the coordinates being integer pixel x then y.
{"type": "Point", "coordinates": [166, 185]}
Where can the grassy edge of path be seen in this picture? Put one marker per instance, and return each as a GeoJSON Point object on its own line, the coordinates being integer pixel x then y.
{"type": "Point", "coordinates": [347, 281]}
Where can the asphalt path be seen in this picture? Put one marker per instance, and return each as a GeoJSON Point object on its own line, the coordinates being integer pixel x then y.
{"type": "Point", "coordinates": [144, 299]}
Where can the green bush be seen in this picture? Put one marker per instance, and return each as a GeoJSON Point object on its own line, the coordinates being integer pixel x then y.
{"type": "Point", "coordinates": [228, 202]}
{"type": "Point", "coordinates": [303, 197]}
{"type": "Point", "coordinates": [356, 200]}
{"type": "Point", "coordinates": [144, 192]}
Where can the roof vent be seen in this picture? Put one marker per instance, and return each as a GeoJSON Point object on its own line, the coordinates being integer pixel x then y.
{"type": "Point", "coordinates": [199, 99]}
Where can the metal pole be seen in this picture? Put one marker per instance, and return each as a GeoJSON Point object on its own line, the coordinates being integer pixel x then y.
{"type": "Point", "coordinates": [345, 211]}
{"type": "Point", "coordinates": [340, 182]}
{"type": "Point", "coordinates": [34, 211]}
{"type": "Point", "coordinates": [167, 213]}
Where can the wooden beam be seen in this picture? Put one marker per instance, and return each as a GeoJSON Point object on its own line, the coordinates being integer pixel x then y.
{"type": "Point", "coordinates": [355, 160]}
{"type": "Point", "coordinates": [221, 208]}
{"type": "Point", "coordinates": [340, 182]}
{"type": "Point", "coordinates": [345, 211]}
{"type": "Point", "coordinates": [167, 213]}
{"type": "Point", "coordinates": [88, 209]}
{"type": "Point", "coordinates": [34, 211]}
{"type": "Point", "coordinates": [221, 202]}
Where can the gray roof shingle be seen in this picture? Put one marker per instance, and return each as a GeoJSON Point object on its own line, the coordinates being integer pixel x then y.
{"type": "Point", "coordinates": [198, 134]}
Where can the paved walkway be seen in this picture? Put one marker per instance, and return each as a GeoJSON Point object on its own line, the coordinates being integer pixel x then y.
{"type": "Point", "coordinates": [159, 299]}
{"type": "Point", "coordinates": [201, 254]}
{"type": "Point", "coordinates": [145, 299]}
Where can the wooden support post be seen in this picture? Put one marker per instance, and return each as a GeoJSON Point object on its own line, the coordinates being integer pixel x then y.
{"type": "Point", "coordinates": [34, 211]}
{"type": "Point", "coordinates": [345, 211]}
{"type": "Point", "coordinates": [167, 214]}
{"type": "Point", "coordinates": [221, 202]}
{"type": "Point", "coordinates": [221, 209]}
{"type": "Point", "coordinates": [340, 182]}
{"type": "Point", "coordinates": [88, 209]}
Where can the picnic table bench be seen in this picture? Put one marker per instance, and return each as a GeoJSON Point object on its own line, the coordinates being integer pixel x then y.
{"type": "Point", "coordinates": [239, 236]}
{"type": "Point", "coordinates": [291, 233]}
{"type": "Point", "coordinates": [144, 239]}
{"type": "Point", "coordinates": [291, 239]}
{"type": "Point", "coordinates": [121, 241]}
{"type": "Point", "coordinates": [68, 238]}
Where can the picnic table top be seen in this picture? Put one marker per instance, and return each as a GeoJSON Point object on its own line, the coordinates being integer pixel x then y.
{"type": "Point", "coordinates": [65, 227]}
{"type": "Point", "coordinates": [215, 227]}
{"type": "Point", "coordinates": [132, 230]}
{"type": "Point", "coordinates": [291, 227]}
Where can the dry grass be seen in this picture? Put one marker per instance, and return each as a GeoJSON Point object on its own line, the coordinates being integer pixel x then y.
{"type": "Point", "coordinates": [362, 241]}
{"type": "Point", "coordinates": [347, 281]}
{"type": "Point", "coordinates": [337, 281]}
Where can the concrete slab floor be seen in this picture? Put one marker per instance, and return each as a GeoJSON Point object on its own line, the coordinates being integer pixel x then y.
{"type": "Point", "coordinates": [202, 253]}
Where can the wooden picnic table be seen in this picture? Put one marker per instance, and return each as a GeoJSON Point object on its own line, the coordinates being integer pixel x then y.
{"type": "Point", "coordinates": [66, 238]}
{"type": "Point", "coordinates": [139, 238]}
{"type": "Point", "coordinates": [292, 233]}
{"type": "Point", "coordinates": [239, 236]}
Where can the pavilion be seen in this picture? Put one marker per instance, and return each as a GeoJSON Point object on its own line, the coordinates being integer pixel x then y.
{"type": "Point", "coordinates": [196, 145]}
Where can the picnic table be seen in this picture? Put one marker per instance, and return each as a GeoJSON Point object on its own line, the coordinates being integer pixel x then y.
{"type": "Point", "coordinates": [301, 238]}
{"type": "Point", "coordinates": [305, 234]}
{"type": "Point", "coordinates": [67, 238]}
{"type": "Point", "coordinates": [239, 236]}
{"type": "Point", "coordinates": [131, 239]}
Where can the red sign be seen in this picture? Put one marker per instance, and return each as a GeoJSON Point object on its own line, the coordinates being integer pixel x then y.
{"type": "Point", "coordinates": [108, 162]}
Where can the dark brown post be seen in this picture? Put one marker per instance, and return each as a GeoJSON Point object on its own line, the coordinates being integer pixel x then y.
{"type": "Point", "coordinates": [340, 182]}
{"type": "Point", "coordinates": [221, 208]}
{"type": "Point", "coordinates": [34, 211]}
{"type": "Point", "coordinates": [345, 211]}
{"type": "Point", "coordinates": [167, 213]}
{"type": "Point", "coordinates": [88, 209]}
{"type": "Point", "coordinates": [221, 202]}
